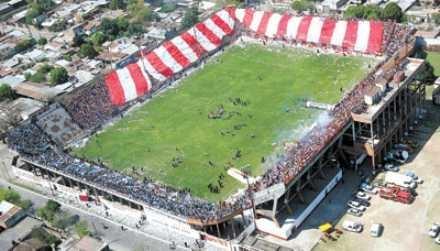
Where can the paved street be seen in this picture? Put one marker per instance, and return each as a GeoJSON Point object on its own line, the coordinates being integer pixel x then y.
{"type": "Point", "coordinates": [119, 240]}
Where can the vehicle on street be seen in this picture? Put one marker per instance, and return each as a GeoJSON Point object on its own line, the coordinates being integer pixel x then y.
{"type": "Point", "coordinates": [437, 240]}
{"type": "Point", "coordinates": [352, 226]}
{"type": "Point", "coordinates": [376, 229]}
{"type": "Point", "coordinates": [396, 193]}
{"type": "Point", "coordinates": [354, 212]}
{"type": "Point", "coordinates": [363, 196]}
{"type": "Point", "coordinates": [434, 230]}
{"type": "Point", "coordinates": [356, 205]}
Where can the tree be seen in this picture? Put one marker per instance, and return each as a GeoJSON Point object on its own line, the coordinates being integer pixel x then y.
{"type": "Point", "coordinates": [42, 41]}
{"type": "Point", "coordinates": [109, 27]}
{"type": "Point", "coordinates": [138, 11]}
{"type": "Point", "coordinates": [37, 8]}
{"type": "Point", "coordinates": [302, 5]}
{"type": "Point", "coordinates": [354, 11]}
{"type": "Point", "coordinates": [38, 77]}
{"type": "Point", "coordinates": [426, 76]}
{"type": "Point", "coordinates": [98, 38]}
{"type": "Point", "coordinates": [45, 5]}
{"type": "Point", "coordinates": [191, 17]}
{"type": "Point", "coordinates": [117, 4]}
{"type": "Point", "coordinates": [81, 229]}
{"type": "Point", "coordinates": [436, 18]}
{"type": "Point", "coordinates": [44, 236]}
{"type": "Point", "coordinates": [49, 211]}
{"type": "Point", "coordinates": [60, 25]}
{"type": "Point", "coordinates": [168, 7]}
{"type": "Point", "coordinates": [24, 45]}
{"type": "Point", "coordinates": [135, 28]}
{"type": "Point", "coordinates": [87, 50]}
{"type": "Point", "coordinates": [392, 11]}
{"type": "Point", "coordinates": [58, 75]}
{"type": "Point", "coordinates": [6, 92]}
{"type": "Point", "coordinates": [372, 11]}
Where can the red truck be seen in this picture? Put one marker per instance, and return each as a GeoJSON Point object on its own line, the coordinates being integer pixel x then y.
{"type": "Point", "coordinates": [396, 193]}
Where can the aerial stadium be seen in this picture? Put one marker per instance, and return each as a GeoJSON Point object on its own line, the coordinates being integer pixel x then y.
{"type": "Point", "coordinates": [222, 129]}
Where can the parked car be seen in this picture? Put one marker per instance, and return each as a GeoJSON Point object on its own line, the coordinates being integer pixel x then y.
{"type": "Point", "coordinates": [356, 205]}
{"type": "Point", "coordinates": [434, 230]}
{"type": "Point", "coordinates": [376, 229]}
{"type": "Point", "coordinates": [362, 202]}
{"type": "Point", "coordinates": [363, 196]}
{"type": "Point", "coordinates": [367, 188]}
{"type": "Point", "coordinates": [414, 177]}
{"type": "Point", "coordinates": [351, 226]}
{"type": "Point", "coordinates": [365, 185]}
{"type": "Point", "coordinates": [354, 212]}
{"type": "Point", "coordinates": [437, 240]}
{"type": "Point", "coordinates": [391, 167]}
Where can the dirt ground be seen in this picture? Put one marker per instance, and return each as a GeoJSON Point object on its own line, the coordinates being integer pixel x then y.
{"type": "Point", "coordinates": [405, 226]}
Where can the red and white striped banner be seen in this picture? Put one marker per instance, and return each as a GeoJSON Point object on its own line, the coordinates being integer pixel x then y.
{"type": "Point", "coordinates": [359, 36]}
{"type": "Point", "coordinates": [178, 53]}
{"type": "Point", "coordinates": [127, 83]}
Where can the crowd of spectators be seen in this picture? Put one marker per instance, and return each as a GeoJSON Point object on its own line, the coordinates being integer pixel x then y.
{"type": "Point", "coordinates": [395, 36]}
{"type": "Point", "coordinates": [90, 107]}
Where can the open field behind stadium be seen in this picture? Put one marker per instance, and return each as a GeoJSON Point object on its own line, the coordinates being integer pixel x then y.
{"type": "Point", "coordinates": [236, 112]}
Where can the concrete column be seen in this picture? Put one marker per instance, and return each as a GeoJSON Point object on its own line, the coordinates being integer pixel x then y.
{"type": "Point", "coordinates": [274, 208]}
{"type": "Point", "coordinates": [353, 131]}
{"type": "Point", "coordinates": [373, 161]}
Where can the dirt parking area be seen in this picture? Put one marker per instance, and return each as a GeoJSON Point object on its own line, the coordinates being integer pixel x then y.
{"type": "Point", "coordinates": [405, 226]}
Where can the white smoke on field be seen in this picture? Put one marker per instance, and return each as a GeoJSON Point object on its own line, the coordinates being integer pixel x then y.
{"type": "Point", "coordinates": [297, 134]}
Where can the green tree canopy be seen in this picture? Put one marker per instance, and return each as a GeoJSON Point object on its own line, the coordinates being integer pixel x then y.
{"type": "Point", "coordinates": [24, 45]}
{"type": "Point", "coordinates": [168, 7]}
{"type": "Point", "coordinates": [191, 17]}
{"type": "Point", "coordinates": [98, 38]}
{"type": "Point", "coordinates": [38, 7]}
{"type": "Point", "coordinates": [6, 92]}
{"type": "Point", "coordinates": [58, 75]}
{"type": "Point", "coordinates": [42, 41]}
{"type": "Point", "coordinates": [302, 5]}
{"type": "Point", "coordinates": [49, 211]}
{"type": "Point", "coordinates": [392, 11]}
{"type": "Point", "coordinates": [117, 4]}
{"type": "Point", "coordinates": [139, 11]}
{"type": "Point", "coordinates": [426, 76]}
{"type": "Point", "coordinates": [436, 18]}
{"type": "Point", "coordinates": [87, 50]}
{"type": "Point", "coordinates": [81, 229]}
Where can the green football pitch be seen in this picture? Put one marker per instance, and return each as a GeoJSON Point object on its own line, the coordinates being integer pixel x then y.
{"type": "Point", "coordinates": [235, 112]}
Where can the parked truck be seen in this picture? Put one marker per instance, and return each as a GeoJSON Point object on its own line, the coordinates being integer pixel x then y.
{"type": "Point", "coordinates": [396, 193]}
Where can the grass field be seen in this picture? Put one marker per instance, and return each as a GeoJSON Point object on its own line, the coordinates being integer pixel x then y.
{"type": "Point", "coordinates": [434, 59]}
{"type": "Point", "coordinates": [258, 96]}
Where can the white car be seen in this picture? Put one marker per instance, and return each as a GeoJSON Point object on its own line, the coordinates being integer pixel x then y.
{"type": "Point", "coordinates": [363, 196]}
{"type": "Point", "coordinates": [434, 230]}
{"type": "Point", "coordinates": [352, 226]}
{"type": "Point", "coordinates": [354, 212]}
{"type": "Point", "coordinates": [437, 240]}
{"type": "Point", "coordinates": [356, 205]}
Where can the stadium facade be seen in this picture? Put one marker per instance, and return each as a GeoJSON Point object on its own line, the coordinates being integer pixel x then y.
{"type": "Point", "coordinates": [364, 124]}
